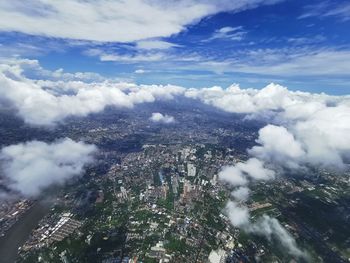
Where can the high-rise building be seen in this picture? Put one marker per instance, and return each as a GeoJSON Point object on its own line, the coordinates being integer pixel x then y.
{"type": "Point", "coordinates": [191, 169]}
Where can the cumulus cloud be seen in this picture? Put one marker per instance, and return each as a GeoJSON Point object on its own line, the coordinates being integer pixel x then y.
{"type": "Point", "coordinates": [33, 166]}
{"type": "Point", "coordinates": [111, 21]}
{"type": "Point", "coordinates": [265, 226]}
{"type": "Point", "coordinates": [273, 97]}
{"type": "Point", "coordinates": [232, 175]}
{"type": "Point", "coordinates": [255, 169]}
{"type": "Point", "coordinates": [308, 128]}
{"type": "Point", "coordinates": [234, 99]}
{"type": "Point", "coordinates": [272, 229]}
{"type": "Point", "coordinates": [277, 145]}
{"type": "Point", "coordinates": [238, 215]}
{"type": "Point", "coordinates": [318, 139]}
{"type": "Point", "coordinates": [239, 174]}
{"type": "Point", "coordinates": [241, 193]}
{"type": "Point", "coordinates": [326, 135]}
{"type": "Point", "coordinates": [276, 98]}
{"type": "Point", "coordinates": [238, 212]}
{"type": "Point", "coordinates": [159, 117]}
{"type": "Point", "coordinates": [45, 102]}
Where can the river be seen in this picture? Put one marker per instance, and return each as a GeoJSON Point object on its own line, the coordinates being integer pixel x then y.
{"type": "Point", "coordinates": [20, 231]}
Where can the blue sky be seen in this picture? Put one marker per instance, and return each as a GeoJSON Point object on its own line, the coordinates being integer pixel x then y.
{"type": "Point", "coordinates": [301, 44]}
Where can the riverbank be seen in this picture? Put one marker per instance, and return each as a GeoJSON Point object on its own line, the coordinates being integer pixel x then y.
{"type": "Point", "coordinates": [17, 235]}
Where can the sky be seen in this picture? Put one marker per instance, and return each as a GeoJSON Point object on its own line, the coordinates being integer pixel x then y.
{"type": "Point", "coordinates": [303, 45]}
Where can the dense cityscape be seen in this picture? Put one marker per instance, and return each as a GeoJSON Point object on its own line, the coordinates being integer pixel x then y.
{"type": "Point", "coordinates": [163, 202]}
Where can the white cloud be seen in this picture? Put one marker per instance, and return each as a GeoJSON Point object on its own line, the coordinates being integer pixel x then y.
{"type": "Point", "coordinates": [232, 175]}
{"type": "Point", "coordinates": [278, 146]}
{"type": "Point", "coordinates": [231, 33]}
{"type": "Point", "coordinates": [255, 169]}
{"type": "Point", "coordinates": [342, 11]}
{"type": "Point", "coordinates": [294, 61]}
{"type": "Point", "coordinates": [328, 9]}
{"type": "Point", "coordinates": [265, 226]}
{"type": "Point", "coordinates": [307, 40]}
{"type": "Point", "coordinates": [310, 63]}
{"type": "Point", "coordinates": [158, 117]}
{"type": "Point", "coordinates": [320, 136]}
{"type": "Point", "coordinates": [140, 71]}
{"type": "Point", "coordinates": [239, 174]}
{"type": "Point", "coordinates": [32, 67]}
{"type": "Point", "coordinates": [154, 44]}
{"type": "Point", "coordinates": [111, 21]}
{"type": "Point", "coordinates": [126, 58]}
{"type": "Point", "coordinates": [271, 228]}
{"type": "Point", "coordinates": [238, 215]}
{"type": "Point", "coordinates": [326, 135]}
{"type": "Point", "coordinates": [45, 102]}
{"type": "Point", "coordinates": [312, 128]}
{"type": "Point", "coordinates": [234, 99]}
{"type": "Point", "coordinates": [142, 55]}
{"type": "Point", "coordinates": [33, 166]}
{"type": "Point", "coordinates": [241, 193]}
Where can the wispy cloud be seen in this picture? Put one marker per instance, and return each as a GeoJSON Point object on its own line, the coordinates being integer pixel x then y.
{"type": "Point", "coordinates": [140, 71]}
{"type": "Point", "coordinates": [307, 40]}
{"type": "Point", "coordinates": [127, 57]}
{"type": "Point", "coordinates": [230, 33]}
{"type": "Point", "coordinates": [287, 62]}
{"type": "Point", "coordinates": [155, 44]}
{"type": "Point", "coordinates": [301, 63]}
{"type": "Point", "coordinates": [111, 21]}
{"type": "Point", "coordinates": [324, 9]}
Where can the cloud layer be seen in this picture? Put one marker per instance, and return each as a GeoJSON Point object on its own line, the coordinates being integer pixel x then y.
{"type": "Point", "coordinates": [320, 140]}
{"type": "Point", "coordinates": [33, 166]}
{"type": "Point", "coordinates": [234, 99]}
{"type": "Point", "coordinates": [45, 102]}
{"type": "Point", "coordinates": [111, 21]}
{"type": "Point", "coordinates": [307, 128]}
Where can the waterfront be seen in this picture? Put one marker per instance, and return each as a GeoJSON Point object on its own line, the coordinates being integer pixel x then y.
{"type": "Point", "coordinates": [20, 231]}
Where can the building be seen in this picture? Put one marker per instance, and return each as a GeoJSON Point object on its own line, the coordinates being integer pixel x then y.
{"type": "Point", "coordinates": [217, 256]}
{"type": "Point", "coordinates": [65, 226]}
{"type": "Point", "coordinates": [191, 169]}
